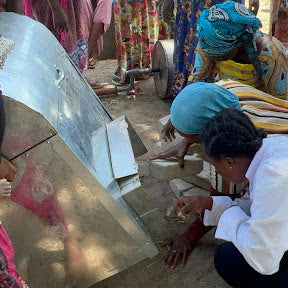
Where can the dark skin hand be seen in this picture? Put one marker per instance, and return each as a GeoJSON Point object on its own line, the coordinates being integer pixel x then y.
{"type": "Point", "coordinates": [60, 20]}
{"type": "Point", "coordinates": [178, 151]}
{"type": "Point", "coordinates": [181, 246]}
{"type": "Point", "coordinates": [188, 206]}
{"type": "Point", "coordinates": [168, 132]}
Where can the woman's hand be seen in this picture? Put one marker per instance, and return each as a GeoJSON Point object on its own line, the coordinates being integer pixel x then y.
{"type": "Point", "coordinates": [60, 20]}
{"type": "Point", "coordinates": [187, 206]}
{"type": "Point", "coordinates": [59, 17]}
{"type": "Point", "coordinates": [178, 151]}
{"type": "Point", "coordinates": [181, 246]}
{"type": "Point", "coordinates": [168, 132]}
{"type": "Point", "coordinates": [254, 6]}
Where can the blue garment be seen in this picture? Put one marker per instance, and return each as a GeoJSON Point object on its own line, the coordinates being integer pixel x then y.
{"type": "Point", "coordinates": [185, 40]}
{"type": "Point", "coordinates": [220, 28]}
{"type": "Point", "coordinates": [197, 103]}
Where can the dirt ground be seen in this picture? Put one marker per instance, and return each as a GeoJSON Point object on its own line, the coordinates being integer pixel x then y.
{"type": "Point", "coordinates": [143, 111]}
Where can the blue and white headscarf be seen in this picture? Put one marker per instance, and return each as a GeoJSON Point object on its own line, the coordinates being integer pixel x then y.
{"type": "Point", "coordinates": [219, 28]}
{"type": "Point", "coordinates": [197, 103]}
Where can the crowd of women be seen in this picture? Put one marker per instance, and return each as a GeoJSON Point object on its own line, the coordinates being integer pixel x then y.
{"type": "Point", "coordinates": [80, 26]}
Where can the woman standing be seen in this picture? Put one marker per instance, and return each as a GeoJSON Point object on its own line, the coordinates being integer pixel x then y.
{"type": "Point", "coordinates": [74, 24]}
{"type": "Point", "coordinates": [279, 27]}
{"type": "Point", "coordinates": [136, 31]}
{"type": "Point", "coordinates": [185, 40]}
{"type": "Point", "coordinates": [230, 39]}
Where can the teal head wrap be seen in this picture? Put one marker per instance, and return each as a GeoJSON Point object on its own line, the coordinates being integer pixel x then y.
{"type": "Point", "coordinates": [219, 28]}
{"type": "Point", "coordinates": [199, 102]}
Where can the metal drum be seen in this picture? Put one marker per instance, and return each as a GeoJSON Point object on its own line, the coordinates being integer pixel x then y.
{"type": "Point", "coordinates": [162, 66]}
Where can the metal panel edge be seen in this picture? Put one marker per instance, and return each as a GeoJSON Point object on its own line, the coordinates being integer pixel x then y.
{"type": "Point", "coordinates": [148, 247]}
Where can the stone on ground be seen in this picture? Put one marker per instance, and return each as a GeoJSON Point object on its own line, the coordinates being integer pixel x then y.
{"type": "Point", "coordinates": [178, 186]}
{"type": "Point", "coordinates": [169, 168]}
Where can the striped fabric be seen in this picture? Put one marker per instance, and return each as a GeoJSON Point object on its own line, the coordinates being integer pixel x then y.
{"type": "Point", "coordinates": [266, 112]}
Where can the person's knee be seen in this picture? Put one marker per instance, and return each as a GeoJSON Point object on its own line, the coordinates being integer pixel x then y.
{"type": "Point", "coordinates": [225, 258]}
{"type": "Point", "coordinates": [223, 253]}
{"type": "Point", "coordinates": [231, 265]}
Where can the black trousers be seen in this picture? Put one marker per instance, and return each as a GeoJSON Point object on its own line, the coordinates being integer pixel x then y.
{"type": "Point", "coordinates": [233, 268]}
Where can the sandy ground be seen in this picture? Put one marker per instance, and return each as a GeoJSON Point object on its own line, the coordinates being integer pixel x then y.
{"type": "Point", "coordinates": [143, 111]}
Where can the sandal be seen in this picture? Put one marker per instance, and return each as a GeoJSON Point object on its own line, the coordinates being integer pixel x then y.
{"type": "Point", "coordinates": [92, 63]}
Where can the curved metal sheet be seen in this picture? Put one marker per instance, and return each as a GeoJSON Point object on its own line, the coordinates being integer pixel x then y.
{"type": "Point", "coordinates": [56, 135]}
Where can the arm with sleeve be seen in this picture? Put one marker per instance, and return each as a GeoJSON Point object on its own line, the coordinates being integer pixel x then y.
{"type": "Point", "coordinates": [262, 237]}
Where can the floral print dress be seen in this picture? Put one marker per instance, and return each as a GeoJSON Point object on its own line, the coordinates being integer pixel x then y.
{"type": "Point", "coordinates": [188, 12]}
{"type": "Point", "coordinates": [136, 31]}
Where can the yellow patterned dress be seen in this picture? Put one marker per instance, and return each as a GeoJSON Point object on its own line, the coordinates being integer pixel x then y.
{"type": "Point", "coordinates": [274, 63]}
{"type": "Point", "coordinates": [136, 31]}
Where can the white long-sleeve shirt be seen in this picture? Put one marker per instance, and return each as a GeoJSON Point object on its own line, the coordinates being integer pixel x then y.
{"type": "Point", "coordinates": [257, 224]}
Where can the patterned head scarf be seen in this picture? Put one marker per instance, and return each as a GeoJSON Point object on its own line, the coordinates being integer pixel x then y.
{"type": "Point", "coordinates": [6, 46]}
{"type": "Point", "coordinates": [197, 103]}
{"type": "Point", "coordinates": [220, 28]}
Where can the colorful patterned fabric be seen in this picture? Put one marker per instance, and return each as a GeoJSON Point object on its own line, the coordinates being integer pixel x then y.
{"type": "Point", "coordinates": [166, 30]}
{"type": "Point", "coordinates": [219, 28]}
{"type": "Point", "coordinates": [188, 13]}
{"type": "Point", "coordinates": [265, 111]}
{"type": "Point", "coordinates": [274, 63]}
{"type": "Point", "coordinates": [136, 29]}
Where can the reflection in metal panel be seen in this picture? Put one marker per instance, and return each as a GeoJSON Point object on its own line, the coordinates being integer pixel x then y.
{"type": "Point", "coordinates": [67, 207]}
{"type": "Point", "coordinates": [123, 164]}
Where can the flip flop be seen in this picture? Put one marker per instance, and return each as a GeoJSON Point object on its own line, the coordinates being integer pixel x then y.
{"type": "Point", "coordinates": [92, 63]}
